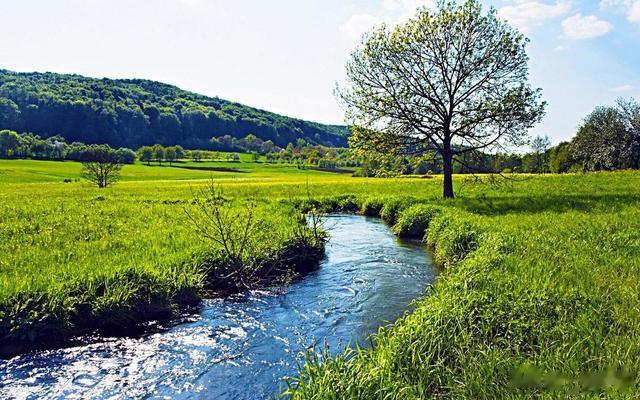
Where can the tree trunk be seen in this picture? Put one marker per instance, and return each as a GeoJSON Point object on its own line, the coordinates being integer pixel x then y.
{"type": "Point", "coordinates": [447, 158]}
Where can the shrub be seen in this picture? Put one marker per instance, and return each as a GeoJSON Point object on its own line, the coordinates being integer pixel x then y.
{"type": "Point", "coordinates": [414, 221]}
{"type": "Point", "coordinates": [392, 208]}
{"type": "Point", "coordinates": [371, 207]}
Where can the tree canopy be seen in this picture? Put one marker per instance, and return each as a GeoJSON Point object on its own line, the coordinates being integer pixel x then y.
{"type": "Point", "coordinates": [451, 81]}
{"type": "Point", "coordinates": [609, 137]}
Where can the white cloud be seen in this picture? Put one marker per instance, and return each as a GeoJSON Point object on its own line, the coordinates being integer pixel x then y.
{"type": "Point", "coordinates": [525, 15]}
{"type": "Point", "coordinates": [622, 88]}
{"type": "Point", "coordinates": [633, 14]}
{"type": "Point", "coordinates": [407, 6]}
{"type": "Point", "coordinates": [630, 7]}
{"type": "Point", "coordinates": [585, 27]}
{"type": "Point", "coordinates": [389, 11]}
{"type": "Point", "coordinates": [358, 24]}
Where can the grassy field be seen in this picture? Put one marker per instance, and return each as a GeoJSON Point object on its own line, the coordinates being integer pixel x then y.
{"type": "Point", "coordinates": [538, 297]}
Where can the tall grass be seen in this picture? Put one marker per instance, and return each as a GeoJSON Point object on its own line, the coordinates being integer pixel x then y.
{"type": "Point", "coordinates": [537, 299]}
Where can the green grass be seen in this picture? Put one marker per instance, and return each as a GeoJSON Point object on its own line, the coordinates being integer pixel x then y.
{"type": "Point", "coordinates": [538, 298]}
{"type": "Point", "coordinates": [541, 274]}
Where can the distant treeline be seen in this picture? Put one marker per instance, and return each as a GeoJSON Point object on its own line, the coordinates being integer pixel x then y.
{"type": "Point", "coordinates": [301, 154]}
{"type": "Point", "coordinates": [134, 112]}
{"type": "Point", "coordinates": [29, 145]}
{"type": "Point", "coordinates": [607, 139]}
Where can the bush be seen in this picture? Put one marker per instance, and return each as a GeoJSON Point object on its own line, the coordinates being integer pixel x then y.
{"type": "Point", "coordinates": [392, 208]}
{"type": "Point", "coordinates": [371, 207]}
{"type": "Point", "coordinates": [414, 221]}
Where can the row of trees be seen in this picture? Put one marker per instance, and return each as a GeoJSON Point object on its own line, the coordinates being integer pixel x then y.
{"type": "Point", "coordinates": [29, 145]}
{"type": "Point", "coordinates": [160, 153]}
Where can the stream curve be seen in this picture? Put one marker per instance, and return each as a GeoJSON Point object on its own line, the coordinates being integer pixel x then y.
{"type": "Point", "coordinates": [240, 347]}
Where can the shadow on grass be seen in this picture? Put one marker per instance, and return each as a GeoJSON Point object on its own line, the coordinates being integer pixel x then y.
{"type": "Point", "coordinates": [207, 168]}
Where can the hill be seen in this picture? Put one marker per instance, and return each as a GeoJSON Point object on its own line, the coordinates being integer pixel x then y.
{"type": "Point", "coordinates": [136, 112]}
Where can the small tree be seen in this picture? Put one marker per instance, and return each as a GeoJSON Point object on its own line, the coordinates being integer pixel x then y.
{"type": "Point", "coordinates": [180, 154]}
{"type": "Point", "coordinates": [158, 153]}
{"type": "Point", "coordinates": [126, 156]}
{"type": "Point", "coordinates": [101, 165]}
{"type": "Point", "coordinates": [9, 143]}
{"type": "Point", "coordinates": [451, 81]}
{"type": "Point", "coordinates": [540, 145]}
{"type": "Point", "coordinates": [145, 154]}
{"type": "Point", "coordinates": [170, 154]}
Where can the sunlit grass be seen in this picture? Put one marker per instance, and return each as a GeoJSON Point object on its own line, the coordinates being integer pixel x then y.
{"type": "Point", "coordinates": [540, 270]}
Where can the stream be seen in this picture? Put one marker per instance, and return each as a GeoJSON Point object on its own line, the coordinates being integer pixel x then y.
{"type": "Point", "coordinates": [242, 346]}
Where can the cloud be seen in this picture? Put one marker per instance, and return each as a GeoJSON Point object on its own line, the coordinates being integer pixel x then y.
{"type": "Point", "coordinates": [390, 11]}
{"type": "Point", "coordinates": [407, 6]}
{"type": "Point", "coordinates": [633, 14]}
{"type": "Point", "coordinates": [622, 88]}
{"type": "Point", "coordinates": [585, 27]}
{"type": "Point", "coordinates": [358, 24]}
{"type": "Point", "coordinates": [525, 15]}
{"type": "Point", "coordinates": [630, 7]}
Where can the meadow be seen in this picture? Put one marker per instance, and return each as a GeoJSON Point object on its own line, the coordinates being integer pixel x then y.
{"type": "Point", "coordinates": [538, 295]}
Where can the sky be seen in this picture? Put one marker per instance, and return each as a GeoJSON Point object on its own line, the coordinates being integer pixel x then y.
{"type": "Point", "coordinates": [286, 56]}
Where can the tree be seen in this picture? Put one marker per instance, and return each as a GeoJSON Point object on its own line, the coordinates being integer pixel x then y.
{"type": "Point", "coordinates": [255, 156]}
{"type": "Point", "coordinates": [126, 156]}
{"type": "Point", "coordinates": [560, 159]}
{"type": "Point", "coordinates": [540, 145]}
{"type": "Point", "coordinates": [267, 147]}
{"type": "Point", "coordinates": [170, 154]}
{"type": "Point", "coordinates": [605, 140]}
{"type": "Point", "coordinates": [180, 154]}
{"type": "Point", "coordinates": [100, 165]}
{"type": "Point", "coordinates": [452, 81]}
{"type": "Point", "coordinates": [630, 109]}
{"type": "Point", "coordinates": [158, 153]}
{"type": "Point", "coordinates": [9, 143]}
{"type": "Point", "coordinates": [145, 154]}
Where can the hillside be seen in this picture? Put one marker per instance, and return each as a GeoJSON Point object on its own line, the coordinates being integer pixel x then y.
{"type": "Point", "coordinates": [136, 112]}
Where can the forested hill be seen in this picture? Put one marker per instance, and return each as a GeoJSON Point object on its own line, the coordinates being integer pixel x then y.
{"type": "Point", "coordinates": [136, 112]}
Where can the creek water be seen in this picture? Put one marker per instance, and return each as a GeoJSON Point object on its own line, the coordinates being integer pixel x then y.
{"type": "Point", "coordinates": [240, 347]}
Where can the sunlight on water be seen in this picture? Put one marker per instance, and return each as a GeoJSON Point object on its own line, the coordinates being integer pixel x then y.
{"type": "Point", "coordinates": [241, 347]}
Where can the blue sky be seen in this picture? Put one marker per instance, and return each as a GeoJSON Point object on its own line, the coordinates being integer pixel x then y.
{"type": "Point", "coordinates": [287, 55]}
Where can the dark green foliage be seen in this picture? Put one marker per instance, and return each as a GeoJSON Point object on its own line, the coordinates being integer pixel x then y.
{"type": "Point", "coordinates": [371, 207]}
{"type": "Point", "coordinates": [414, 221]}
{"type": "Point", "coordinates": [28, 145]}
{"type": "Point", "coordinates": [135, 112]}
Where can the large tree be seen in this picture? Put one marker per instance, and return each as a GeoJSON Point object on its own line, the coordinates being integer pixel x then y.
{"type": "Point", "coordinates": [609, 138]}
{"type": "Point", "coordinates": [451, 81]}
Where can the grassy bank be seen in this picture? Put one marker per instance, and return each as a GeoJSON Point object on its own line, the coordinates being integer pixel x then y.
{"type": "Point", "coordinates": [541, 276]}
{"type": "Point", "coordinates": [539, 297]}
{"type": "Point", "coordinates": [76, 258]}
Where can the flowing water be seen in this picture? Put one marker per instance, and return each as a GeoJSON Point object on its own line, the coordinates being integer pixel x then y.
{"type": "Point", "coordinates": [241, 347]}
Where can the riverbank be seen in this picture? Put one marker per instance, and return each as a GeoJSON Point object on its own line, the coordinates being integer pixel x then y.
{"type": "Point", "coordinates": [100, 265]}
{"type": "Point", "coordinates": [536, 298]}
{"type": "Point", "coordinates": [241, 346]}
